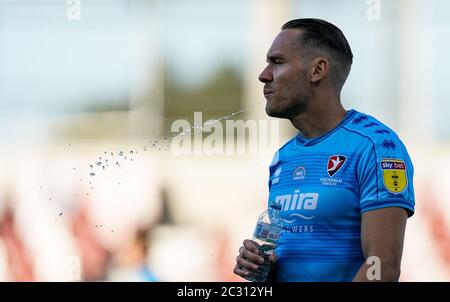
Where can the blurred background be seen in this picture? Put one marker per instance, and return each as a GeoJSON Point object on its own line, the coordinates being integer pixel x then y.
{"type": "Point", "coordinates": [89, 186]}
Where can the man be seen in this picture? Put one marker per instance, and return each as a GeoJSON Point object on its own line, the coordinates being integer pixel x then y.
{"type": "Point", "coordinates": [344, 181]}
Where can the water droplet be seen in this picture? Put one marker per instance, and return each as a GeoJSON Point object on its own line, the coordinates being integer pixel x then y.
{"type": "Point", "coordinates": [121, 153]}
{"type": "Point", "coordinates": [131, 159]}
{"type": "Point", "coordinates": [106, 160]}
{"type": "Point", "coordinates": [131, 152]}
{"type": "Point", "coordinates": [70, 145]}
{"type": "Point", "coordinates": [103, 167]}
{"type": "Point", "coordinates": [40, 187]}
{"type": "Point", "coordinates": [112, 154]}
{"type": "Point", "coordinates": [99, 164]}
{"type": "Point", "coordinates": [60, 214]}
{"type": "Point", "coordinates": [125, 157]}
{"type": "Point", "coordinates": [50, 199]}
{"type": "Point", "coordinates": [91, 166]}
{"type": "Point", "coordinates": [100, 158]}
{"type": "Point", "coordinates": [92, 174]}
{"type": "Point", "coordinates": [74, 169]}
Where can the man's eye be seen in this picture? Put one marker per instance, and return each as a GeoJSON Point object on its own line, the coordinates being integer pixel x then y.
{"type": "Point", "coordinates": [277, 62]}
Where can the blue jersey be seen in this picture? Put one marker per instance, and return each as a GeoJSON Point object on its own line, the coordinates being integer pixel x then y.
{"type": "Point", "coordinates": [325, 184]}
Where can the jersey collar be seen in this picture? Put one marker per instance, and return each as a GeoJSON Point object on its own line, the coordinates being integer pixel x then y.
{"type": "Point", "coordinates": [300, 139]}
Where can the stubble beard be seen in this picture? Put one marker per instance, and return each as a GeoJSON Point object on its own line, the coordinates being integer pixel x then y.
{"type": "Point", "coordinates": [293, 107]}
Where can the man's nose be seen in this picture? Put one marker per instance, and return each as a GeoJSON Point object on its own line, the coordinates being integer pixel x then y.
{"type": "Point", "coordinates": [266, 75]}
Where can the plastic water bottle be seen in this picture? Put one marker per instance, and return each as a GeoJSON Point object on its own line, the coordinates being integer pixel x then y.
{"type": "Point", "coordinates": [267, 233]}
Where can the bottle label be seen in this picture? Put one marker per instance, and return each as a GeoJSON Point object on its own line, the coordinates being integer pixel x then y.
{"type": "Point", "coordinates": [267, 232]}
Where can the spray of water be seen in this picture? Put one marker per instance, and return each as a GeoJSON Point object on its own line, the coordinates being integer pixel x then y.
{"type": "Point", "coordinates": [158, 144]}
{"type": "Point", "coordinates": [163, 143]}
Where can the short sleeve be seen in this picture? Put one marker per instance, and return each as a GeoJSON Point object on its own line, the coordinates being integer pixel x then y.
{"type": "Point", "coordinates": [385, 176]}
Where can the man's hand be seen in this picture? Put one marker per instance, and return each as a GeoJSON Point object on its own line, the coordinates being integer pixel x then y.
{"type": "Point", "coordinates": [249, 259]}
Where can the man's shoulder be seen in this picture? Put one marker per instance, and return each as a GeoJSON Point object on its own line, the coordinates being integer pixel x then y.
{"type": "Point", "coordinates": [371, 128]}
{"type": "Point", "coordinates": [289, 142]}
{"type": "Point", "coordinates": [379, 137]}
{"type": "Point", "coordinates": [276, 157]}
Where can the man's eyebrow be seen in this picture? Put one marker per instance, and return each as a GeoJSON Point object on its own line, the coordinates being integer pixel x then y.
{"type": "Point", "coordinates": [274, 57]}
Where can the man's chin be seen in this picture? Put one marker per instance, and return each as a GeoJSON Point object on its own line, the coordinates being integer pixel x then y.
{"type": "Point", "coordinates": [274, 113]}
{"type": "Point", "coordinates": [287, 113]}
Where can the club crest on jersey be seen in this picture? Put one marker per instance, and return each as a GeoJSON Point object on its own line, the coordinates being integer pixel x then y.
{"type": "Point", "coordinates": [394, 175]}
{"type": "Point", "coordinates": [335, 163]}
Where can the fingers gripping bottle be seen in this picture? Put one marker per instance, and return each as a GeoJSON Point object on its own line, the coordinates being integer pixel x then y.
{"type": "Point", "coordinates": [267, 233]}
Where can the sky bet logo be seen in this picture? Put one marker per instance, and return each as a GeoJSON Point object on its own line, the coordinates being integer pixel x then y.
{"type": "Point", "coordinates": [393, 165]}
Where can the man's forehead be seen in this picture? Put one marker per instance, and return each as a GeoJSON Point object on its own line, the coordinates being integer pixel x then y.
{"type": "Point", "coordinates": [284, 42]}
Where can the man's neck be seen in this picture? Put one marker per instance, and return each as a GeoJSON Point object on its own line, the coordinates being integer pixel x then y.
{"type": "Point", "coordinates": [319, 118]}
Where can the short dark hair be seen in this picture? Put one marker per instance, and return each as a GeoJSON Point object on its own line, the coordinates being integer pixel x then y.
{"type": "Point", "coordinates": [319, 36]}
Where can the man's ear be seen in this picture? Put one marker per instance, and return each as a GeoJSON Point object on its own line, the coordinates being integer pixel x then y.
{"type": "Point", "coordinates": [319, 69]}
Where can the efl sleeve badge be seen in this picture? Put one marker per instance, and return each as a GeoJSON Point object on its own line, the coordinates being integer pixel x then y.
{"type": "Point", "coordinates": [394, 175]}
